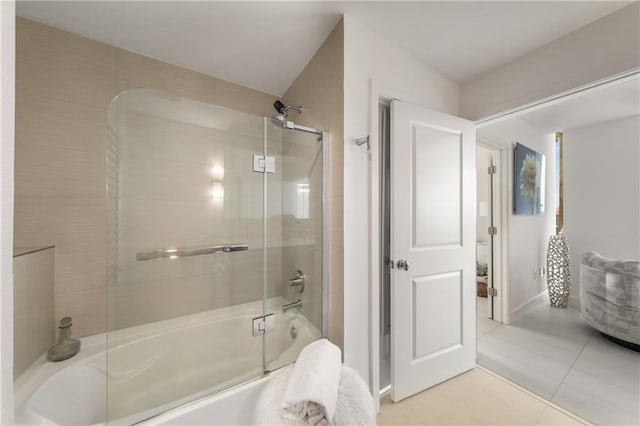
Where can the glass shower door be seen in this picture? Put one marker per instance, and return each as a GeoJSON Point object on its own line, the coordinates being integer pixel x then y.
{"type": "Point", "coordinates": [186, 249]}
{"type": "Point", "coordinates": [299, 297]}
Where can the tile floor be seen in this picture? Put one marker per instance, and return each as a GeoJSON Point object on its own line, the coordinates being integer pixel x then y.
{"type": "Point", "coordinates": [477, 397]}
{"type": "Point", "coordinates": [552, 353]}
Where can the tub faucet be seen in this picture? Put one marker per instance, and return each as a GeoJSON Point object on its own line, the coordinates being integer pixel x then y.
{"type": "Point", "coordinates": [297, 281]}
{"type": "Point", "coordinates": [293, 305]}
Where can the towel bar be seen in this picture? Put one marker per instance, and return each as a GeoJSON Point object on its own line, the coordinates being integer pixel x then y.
{"type": "Point", "coordinates": [172, 253]}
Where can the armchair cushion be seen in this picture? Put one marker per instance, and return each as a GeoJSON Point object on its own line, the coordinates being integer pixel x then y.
{"type": "Point", "coordinates": [610, 296]}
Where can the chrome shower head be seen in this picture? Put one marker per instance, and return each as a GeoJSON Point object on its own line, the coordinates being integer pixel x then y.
{"type": "Point", "coordinates": [279, 120]}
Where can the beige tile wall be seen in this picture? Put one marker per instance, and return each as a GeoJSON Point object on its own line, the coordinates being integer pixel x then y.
{"type": "Point", "coordinates": [64, 86]}
{"type": "Point", "coordinates": [33, 306]}
{"type": "Point", "coordinates": [165, 201]}
{"type": "Point", "coordinates": [320, 89]}
{"type": "Point", "coordinates": [302, 230]}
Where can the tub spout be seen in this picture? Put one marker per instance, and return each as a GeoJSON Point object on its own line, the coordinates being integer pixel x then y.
{"type": "Point", "coordinates": [293, 305]}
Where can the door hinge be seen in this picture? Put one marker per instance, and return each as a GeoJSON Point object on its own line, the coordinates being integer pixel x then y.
{"type": "Point", "coordinates": [492, 292]}
{"type": "Point", "coordinates": [493, 230]}
{"type": "Point", "coordinates": [492, 170]}
{"type": "Point", "coordinates": [262, 164]}
{"type": "Point", "coordinates": [263, 324]}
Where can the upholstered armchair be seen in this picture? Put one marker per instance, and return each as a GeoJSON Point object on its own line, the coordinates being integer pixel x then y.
{"type": "Point", "coordinates": [610, 296]}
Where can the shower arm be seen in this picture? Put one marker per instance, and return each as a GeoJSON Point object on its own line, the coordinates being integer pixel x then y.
{"type": "Point", "coordinates": [172, 253]}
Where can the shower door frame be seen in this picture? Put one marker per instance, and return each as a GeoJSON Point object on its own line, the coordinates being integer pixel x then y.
{"type": "Point", "coordinates": [325, 138]}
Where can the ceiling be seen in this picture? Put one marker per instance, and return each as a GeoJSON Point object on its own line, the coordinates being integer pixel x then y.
{"type": "Point", "coordinates": [265, 45]}
{"type": "Point", "coordinates": [593, 107]}
{"type": "Point", "coordinates": [597, 105]}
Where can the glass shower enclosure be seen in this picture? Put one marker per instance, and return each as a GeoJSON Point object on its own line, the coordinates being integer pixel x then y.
{"type": "Point", "coordinates": [215, 250]}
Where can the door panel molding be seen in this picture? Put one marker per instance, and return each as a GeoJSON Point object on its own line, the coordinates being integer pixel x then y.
{"type": "Point", "coordinates": [433, 197]}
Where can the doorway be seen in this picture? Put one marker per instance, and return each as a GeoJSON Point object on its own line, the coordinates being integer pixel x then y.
{"type": "Point", "coordinates": [384, 116]}
{"type": "Point", "coordinates": [551, 351]}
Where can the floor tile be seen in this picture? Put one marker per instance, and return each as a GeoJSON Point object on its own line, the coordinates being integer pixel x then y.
{"type": "Point", "coordinates": [596, 360]}
{"type": "Point", "coordinates": [602, 348]}
{"type": "Point", "coordinates": [562, 328]}
{"type": "Point", "coordinates": [526, 404]}
{"type": "Point", "coordinates": [432, 408]}
{"type": "Point", "coordinates": [604, 391]}
{"type": "Point", "coordinates": [554, 354]}
{"type": "Point", "coordinates": [539, 385]}
{"type": "Point", "coordinates": [395, 414]}
{"type": "Point", "coordinates": [550, 416]}
{"type": "Point", "coordinates": [484, 324]}
{"type": "Point", "coordinates": [591, 408]}
{"type": "Point", "coordinates": [473, 398]}
{"type": "Point", "coordinates": [538, 343]}
{"type": "Point", "coordinates": [608, 371]}
{"type": "Point", "coordinates": [540, 375]}
{"type": "Point", "coordinates": [484, 407]}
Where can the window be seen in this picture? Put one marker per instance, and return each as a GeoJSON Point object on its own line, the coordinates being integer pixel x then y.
{"type": "Point", "coordinates": [559, 183]}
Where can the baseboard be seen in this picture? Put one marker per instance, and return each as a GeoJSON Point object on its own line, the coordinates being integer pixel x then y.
{"type": "Point", "coordinates": [521, 309]}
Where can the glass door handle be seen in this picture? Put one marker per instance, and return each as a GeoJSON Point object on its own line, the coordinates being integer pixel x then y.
{"type": "Point", "coordinates": [172, 253]}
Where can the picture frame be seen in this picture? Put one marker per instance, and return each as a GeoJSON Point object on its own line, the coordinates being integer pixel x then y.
{"type": "Point", "coordinates": [528, 181]}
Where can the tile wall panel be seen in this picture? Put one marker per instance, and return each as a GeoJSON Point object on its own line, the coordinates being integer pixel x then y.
{"type": "Point", "coordinates": [65, 85]}
{"type": "Point", "coordinates": [33, 307]}
{"type": "Point", "coordinates": [320, 89]}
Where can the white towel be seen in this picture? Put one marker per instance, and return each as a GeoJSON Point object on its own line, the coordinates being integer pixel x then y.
{"type": "Point", "coordinates": [312, 390]}
{"type": "Point", "coordinates": [354, 405]}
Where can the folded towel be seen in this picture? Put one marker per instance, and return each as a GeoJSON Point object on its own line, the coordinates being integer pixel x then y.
{"type": "Point", "coordinates": [312, 389]}
{"type": "Point", "coordinates": [354, 405]}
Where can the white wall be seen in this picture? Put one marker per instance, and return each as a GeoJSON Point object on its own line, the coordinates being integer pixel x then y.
{"type": "Point", "coordinates": [603, 48]}
{"type": "Point", "coordinates": [402, 76]}
{"type": "Point", "coordinates": [7, 95]}
{"type": "Point", "coordinates": [601, 200]}
{"type": "Point", "coordinates": [528, 236]}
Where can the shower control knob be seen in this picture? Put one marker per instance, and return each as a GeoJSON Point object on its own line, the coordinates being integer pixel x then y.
{"type": "Point", "coordinates": [402, 264]}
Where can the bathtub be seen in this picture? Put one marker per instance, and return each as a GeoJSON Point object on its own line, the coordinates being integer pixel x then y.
{"type": "Point", "coordinates": [171, 371]}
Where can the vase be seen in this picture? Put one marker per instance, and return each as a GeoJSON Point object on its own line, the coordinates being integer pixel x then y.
{"type": "Point", "coordinates": [558, 273]}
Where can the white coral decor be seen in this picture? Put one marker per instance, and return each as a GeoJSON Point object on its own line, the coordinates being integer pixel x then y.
{"type": "Point", "coordinates": [558, 271]}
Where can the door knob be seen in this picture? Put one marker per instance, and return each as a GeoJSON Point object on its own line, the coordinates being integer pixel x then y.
{"type": "Point", "coordinates": [402, 264]}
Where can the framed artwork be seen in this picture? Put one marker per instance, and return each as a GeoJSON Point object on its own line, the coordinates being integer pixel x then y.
{"type": "Point", "coordinates": [528, 181]}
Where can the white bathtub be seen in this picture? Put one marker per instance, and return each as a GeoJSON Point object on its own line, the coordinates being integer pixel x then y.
{"type": "Point", "coordinates": [162, 368]}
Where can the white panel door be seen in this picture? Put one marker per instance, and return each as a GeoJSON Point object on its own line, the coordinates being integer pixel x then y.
{"type": "Point", "coordinates": [433, 197]}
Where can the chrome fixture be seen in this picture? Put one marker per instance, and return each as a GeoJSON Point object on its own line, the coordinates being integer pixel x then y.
{"type": "Point", "coordinates": [264, 164]}
{"type": "Point", "coordinates": [293, 333]}
{"type": "Point", "coordinates": [293, 305]}
{"type": "Point", "coordinates": [364, 140]}
{"type": "Point", "coordinates": [280, 119]}
{"type": "Point", "coordinates": [297, 281]}
{"type": "Point", "coordinates": [172, 253]}
{"type": "Point", "coordinates": [263, 324]}
{"type": "Point", "coordinates": [283, 109]}
{"type": "Point", "coordinates": [65, 347]}
{"type": "Point", "coordinates": [402, 264]}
